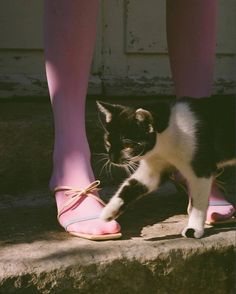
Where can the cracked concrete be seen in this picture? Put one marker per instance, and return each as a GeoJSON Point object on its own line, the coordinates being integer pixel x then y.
{"type": "Point", "coordinates": [37, 256]}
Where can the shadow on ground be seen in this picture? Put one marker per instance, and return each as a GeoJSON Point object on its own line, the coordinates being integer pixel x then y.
{"type": "Point", "coordinates": [160, 216]}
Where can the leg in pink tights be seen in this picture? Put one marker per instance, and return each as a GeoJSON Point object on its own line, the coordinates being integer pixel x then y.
{"type": "Point", "coordinates": [69, 37]}
{"type": "Point", "coordinates": [191, 35]}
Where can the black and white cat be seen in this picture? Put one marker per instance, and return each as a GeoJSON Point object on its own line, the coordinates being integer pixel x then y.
{"type": "Point", "coordinates": [195, 136]}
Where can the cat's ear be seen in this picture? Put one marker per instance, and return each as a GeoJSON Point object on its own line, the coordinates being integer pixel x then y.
{"type": "Point", "coordinates": [109, 110]}
{"type": "Point", "coordinates": [145, 117]}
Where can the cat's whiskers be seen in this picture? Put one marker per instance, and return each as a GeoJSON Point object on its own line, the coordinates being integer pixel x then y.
{"type": "Point", "coordinates": [103, 156]}
{"type": "Point", "coordinates": [118, 165]}
{"type": "Point", "coordinates": [107, 167]}
{"type": "Point", "coordinates": [101, 160]}
{"type": "Point", "coordinates": [136, 158]}
{"type": "Point", "coordinates": [110, 169]}
{"type": "Point", "coordinates": [104, 167]}
{"type": "Point", "coordinates": [102, 153]}
{"type": "Point", "coordinates": [130, 166]}
{"type": "Point", "coordinates": [133, 163]}
{"type": "Point", "coordinates": [128, 171]}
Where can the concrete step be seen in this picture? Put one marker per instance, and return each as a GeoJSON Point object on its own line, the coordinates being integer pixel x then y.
{"type": "Point", "coordinates": [37, 256]}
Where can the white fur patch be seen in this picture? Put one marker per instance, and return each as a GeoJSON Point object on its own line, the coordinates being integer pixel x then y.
{"type": "Point", "coordinates": [200, 190]}
{"type": "Point", "coordinates": [142, 114]}
{"type": "Point", "coordinates": [150, 128]}
{"type": "Point", "coordinates": [177, 143]}
{"type": "Point", "coordinates": [149, 172]}
{"type": "Point", "coordinates": [107, 113]}
{"type": "Point", "coordinates": [111, 210]}
{"type": "Point", "coordinates": [184, 119]}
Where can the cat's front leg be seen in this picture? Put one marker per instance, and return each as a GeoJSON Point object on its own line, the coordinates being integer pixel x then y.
{"type": "Point", "coordinates": [200, 190]}
{"type": "Point", "coordinates": [142, 182]}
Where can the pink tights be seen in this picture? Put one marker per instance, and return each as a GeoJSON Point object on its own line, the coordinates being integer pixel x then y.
{"type": "Point", "coordinates": [69, 37]}
{"type": "Point", "coordinates": [191, 35]}
{"type": "Point", "coordinates": [69, 34]}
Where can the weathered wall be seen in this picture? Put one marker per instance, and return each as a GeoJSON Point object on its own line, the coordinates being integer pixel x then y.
{"type": "Point", "coordinates": [131, 51]}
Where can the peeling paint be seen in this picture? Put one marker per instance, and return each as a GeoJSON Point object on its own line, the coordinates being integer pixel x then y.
{"type": "Point", "coordinates": [8, 86]}
{"type": "Point", "coordinates": [38, 82]}
{"type": "Point", "coordinates": [17, 57]}
{"type": "Point", "coordinates": [30, 86]}
{"type": "Point", "coordinates": [108, 84]}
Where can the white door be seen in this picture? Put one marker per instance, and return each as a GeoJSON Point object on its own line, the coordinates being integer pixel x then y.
{"type": "Point", "coordinates": [131, 51]}
{"type": "Point", "coordinates": [134, 48]}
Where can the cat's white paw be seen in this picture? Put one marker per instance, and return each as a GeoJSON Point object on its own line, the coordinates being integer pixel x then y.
{"type": "Point", "coordinates": [192, 232]}
{"type": "Point", "coordinates": [112, 209]}
{"type": "Point", "coordinates": [189, 209]}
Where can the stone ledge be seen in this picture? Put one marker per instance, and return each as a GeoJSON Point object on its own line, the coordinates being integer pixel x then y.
{"type": "Point", "coordinates": [36, 256]}
{"type": "Point", "coordinates": [131, 266]}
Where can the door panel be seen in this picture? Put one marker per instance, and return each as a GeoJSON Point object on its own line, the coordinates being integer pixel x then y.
{"type": "Point", "coordinates": [130, 57]}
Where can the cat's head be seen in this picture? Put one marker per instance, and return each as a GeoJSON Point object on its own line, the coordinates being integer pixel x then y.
{"type": "Point", "coordinates": [129, 132]}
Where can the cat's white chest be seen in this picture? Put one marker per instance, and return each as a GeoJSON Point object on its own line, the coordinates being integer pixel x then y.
{"type": "Point", "coordinates": [177, 143]}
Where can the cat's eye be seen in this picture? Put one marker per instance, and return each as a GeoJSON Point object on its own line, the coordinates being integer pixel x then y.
{"type": "Point", "coordinates": [127, 143]}
{"type": "Point", "coordinates": [128, 146]}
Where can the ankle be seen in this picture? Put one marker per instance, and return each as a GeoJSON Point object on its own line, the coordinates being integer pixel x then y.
{"type": "Point", "coordinates": [60, 199]}
{"type": "Point", "coordinates": [217, 192]}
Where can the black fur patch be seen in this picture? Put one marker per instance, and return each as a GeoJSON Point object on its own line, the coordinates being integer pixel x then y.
{"type": "Point", "coordinates": [190, 233]}
{"type": "Point", "coordinates": [215, 136]}
{"type": "Point", "coordinates": [161, 115]}
{"type": "Point", "coordinates": [132, 192]}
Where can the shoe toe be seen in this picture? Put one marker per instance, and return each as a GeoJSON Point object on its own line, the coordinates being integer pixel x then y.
{"type": "Point", "coordinates": [112, 227]}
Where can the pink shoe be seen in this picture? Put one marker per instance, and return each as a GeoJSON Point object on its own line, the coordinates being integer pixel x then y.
{"type": "Point", "coordinates": [74, 197]}
{"type": "Point", "coordinates": [220, 211]}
